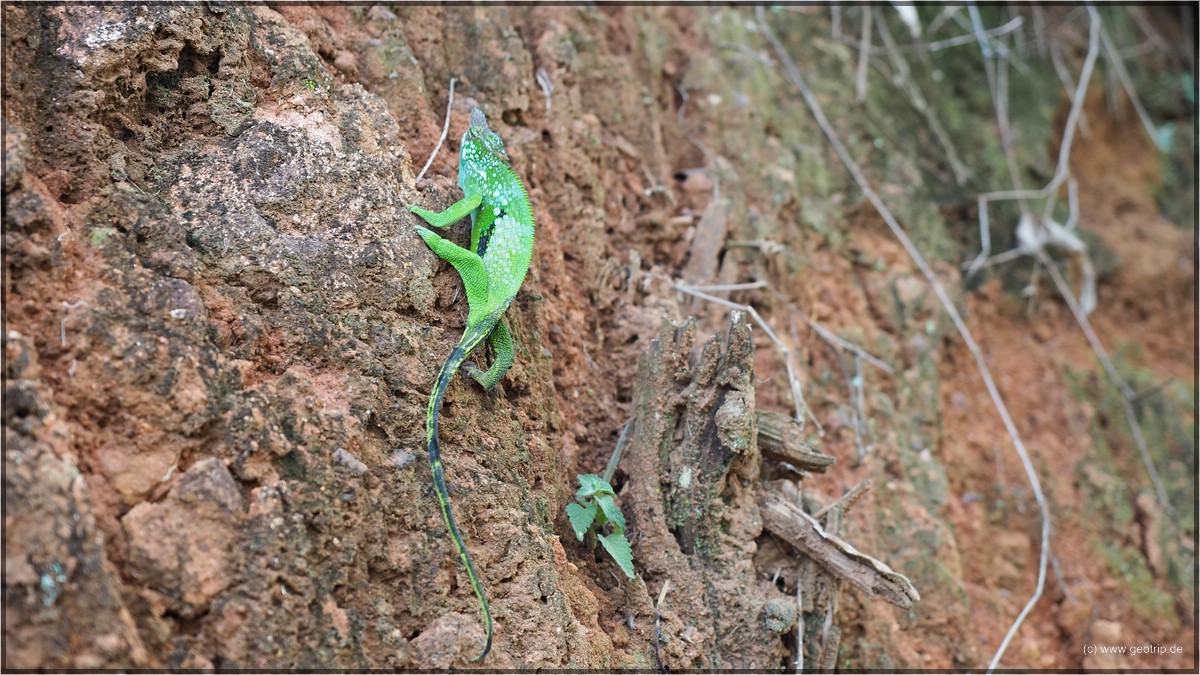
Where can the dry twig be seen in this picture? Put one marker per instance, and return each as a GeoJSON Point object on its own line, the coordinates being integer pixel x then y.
{"type": "Point", "coordinates": [611, 469]}
{"type": "Point", "coordinates": [62, 325]}
{"type": "Point", "coordinates": [445, 132]}
{"type": "Point", "coordinates": [1126, 393]}
{"type": "Point", "coordinates": [543, 80]}
{"type": "Point", "coordinates": [781, 437]}
{"type": "Point", "coordinates": [904, 80]}
{"type": "Point", "coordinates": [833, 554]}
{"type": "Point", "coordinates": [848, 346]}
{"type": "Point", "coordinates": [937, 45]}
{"type": "Point", "coordinates": [847, 500]}
{"type": "Point", "coordinates": [864, 56]}
{"type": "Point", "coordinates": [1118, 64]}
{"type": "Point", "coordinates": [662, 594]}
{"type": "Point", "coordinates": [799, 627]}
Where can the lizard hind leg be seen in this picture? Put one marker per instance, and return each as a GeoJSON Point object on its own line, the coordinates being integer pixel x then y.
{"type": "Point", "coordinates": [501, 341]}
{"type": "Point", "coordinates": [469, 267]}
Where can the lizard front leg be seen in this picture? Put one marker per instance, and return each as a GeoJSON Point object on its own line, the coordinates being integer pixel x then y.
{"type": "Point", "coordinates": [501, 341]}
{"type": "Point", "coordinates": [453, 213]}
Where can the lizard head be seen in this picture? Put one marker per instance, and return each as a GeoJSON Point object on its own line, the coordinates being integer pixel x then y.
{"type": "Point", "coordinates": [479, 132]}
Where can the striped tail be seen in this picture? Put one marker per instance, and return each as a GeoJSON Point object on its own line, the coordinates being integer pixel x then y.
{"type": "Point", "coordinates": [471, 339]}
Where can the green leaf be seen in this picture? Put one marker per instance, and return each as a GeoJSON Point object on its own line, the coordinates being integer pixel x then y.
{"type": "Point", "coordinates": [609, 507]}
{"type": "Point", "coordinates": [590, 484]}
{"type": "Point", "coordinates": [581, 518]}
{"type": "Point", "coordinates": [618, 547]}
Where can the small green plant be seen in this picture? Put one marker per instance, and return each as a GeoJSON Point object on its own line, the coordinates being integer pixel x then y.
{"type": "Point", "coordinates": [595, 509]}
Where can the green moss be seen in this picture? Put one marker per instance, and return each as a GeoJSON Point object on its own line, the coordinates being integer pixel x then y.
{"type": "Point", "coordinates": [1148, 601]}
{"type": "Point", "coordinates": [100, 235]}
{"type": "Point", "coordinates": [1176, 191]}
{"type": "Point", "coordinates": [543, 513]}
{"type": "Point", "coordinates": [861, 653]}
{"type": "Point", "coordinates": [1114, 476]}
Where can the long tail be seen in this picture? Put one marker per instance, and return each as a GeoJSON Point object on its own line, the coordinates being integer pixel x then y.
{"type": "Point", "coordinates": [470, 340]}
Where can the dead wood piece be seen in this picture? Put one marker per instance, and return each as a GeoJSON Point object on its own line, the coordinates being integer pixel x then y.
{"type": "Point", "coordinates": [780, 437]}
{"type": "Point", "coordinates": [707, 243]}
{"type": "Point", "coordinates": [835, 555]}
{"type": "Point", "coordinates": [829, 650]}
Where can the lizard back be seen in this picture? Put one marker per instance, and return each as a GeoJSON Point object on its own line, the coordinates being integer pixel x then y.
{"type": "Point", "coordinates": [502, 227]}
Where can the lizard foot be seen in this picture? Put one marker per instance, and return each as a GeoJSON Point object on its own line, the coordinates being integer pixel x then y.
{"type": "Point", "coordinates": [475, 373]}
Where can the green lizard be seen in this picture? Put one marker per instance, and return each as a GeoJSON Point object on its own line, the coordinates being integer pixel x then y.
{"type": "Point", "coordinates": [492, 271]}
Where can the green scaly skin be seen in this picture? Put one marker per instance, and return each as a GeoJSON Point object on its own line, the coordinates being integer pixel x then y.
{"type": "Point", "coordinates": [492, 271]}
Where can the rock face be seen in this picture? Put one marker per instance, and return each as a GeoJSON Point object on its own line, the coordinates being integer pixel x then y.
{"type": "Point", "coordinates": [64, 606]}
{"type": "Point", "coordinates": [242, 344]}
{"type": "Point", "coordinates": [182, 544]}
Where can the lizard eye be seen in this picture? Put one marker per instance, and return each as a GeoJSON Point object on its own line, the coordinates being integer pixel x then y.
{"type": "Point", "coordinates": [493, 143]}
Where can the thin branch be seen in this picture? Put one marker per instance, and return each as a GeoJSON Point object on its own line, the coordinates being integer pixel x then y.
{"type": "Point", "coordinates": [981, 363]}
{"type": "Point", "coordinates": [1085, 75]}
{"type": "Point", "coordinates": [848, 346]}
{"type": "Point", "coordinates": [938, 21]}
{"type": "Point", "coordinates": [985, 232]}
{"type": "Point", "coordinates": [980, 36]}
{"type": "Point", "coordinates": [1126, 392]}
{"type": "Point", "coordinates": [1061, 173]}
{"type": "Point", "coordinates": [1152, 390]}
{"type": "Point", "coordinates": [864, 56]}
{"type": "Point", "coordinates": [662, 595]}
{"type": "Point", "coordinates": [1080, 309]}
{"type": "Point", "coordinates": [859, 402]}
{"type": "Point", "coordinates": [1039, 30]}
{"type": "Point", "coordinates": [62, 325]}
{"type": "Point", "coordinates": [820, 330]}
{"type": "Point", "coordinates": [905, 81]}
{"type": "Point", "coordinates": [1127, 82]}
{"type": "Point", "coordinates": [1000, 96]}
{"type": "Point", "coordinates": [799, 627]}
{"type": "Point", "coordinates": [974, 24]}
{"type": "Point", "coordinates": [543, 80]}
{"type": "Point", "coordinates": [747, 286]}
{"type": "Point", "coordinates": [1062, 580]}
{"type": "Point", "coordinates": [854, 384]}
{"type": "Point", "coordinates": [1062, 170]}
{"type": "Point", "coordinates": [936, 46]}
{"type": "Point", "coordinates": [1155, 38]}
{"type": "Point", "coordinates": [847, 500]}
{"type": "Point", "coordinates": [445, 132]}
